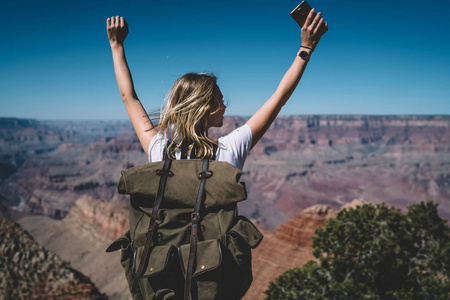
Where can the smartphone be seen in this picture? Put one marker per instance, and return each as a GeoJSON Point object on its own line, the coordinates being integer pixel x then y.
{"type": "Point", "coordinates": [300, 13]}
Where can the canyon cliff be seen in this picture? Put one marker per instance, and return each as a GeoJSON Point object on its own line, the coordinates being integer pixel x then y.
{"type": "Point", "coordinates": [29, 271]}
{"type": "Point", "coordinates": [82, 238]}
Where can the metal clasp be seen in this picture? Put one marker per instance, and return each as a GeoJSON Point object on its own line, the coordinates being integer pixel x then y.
{"type": "Point", "coordinates": [195, 215]}
{"type": "Point", "coordinates": [163, 172]}
{"type": "Point", "coordinates": [205, 174]}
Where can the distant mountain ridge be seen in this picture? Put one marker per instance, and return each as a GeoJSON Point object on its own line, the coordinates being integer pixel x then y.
{"type": "Point", "coordinates": [301, 161]}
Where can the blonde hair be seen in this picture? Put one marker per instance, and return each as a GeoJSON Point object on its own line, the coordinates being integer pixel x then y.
{"type": "Point", "coordinates": [185, 114]}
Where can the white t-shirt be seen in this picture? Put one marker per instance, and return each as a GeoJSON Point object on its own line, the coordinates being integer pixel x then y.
{"type": "Point", "coordinates": [233, 147]}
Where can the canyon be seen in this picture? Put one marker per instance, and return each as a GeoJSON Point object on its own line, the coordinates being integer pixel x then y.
{"type": "Point", "coordinates": [58, 180]}
{"type": "Point", "coordinates": [301, 161]}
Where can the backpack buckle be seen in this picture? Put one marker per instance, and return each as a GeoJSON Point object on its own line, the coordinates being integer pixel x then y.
{"type": "Point", "coordinates": [164, 172]}
{"type": "Point", "coordinates": [202, 228]}
{"type": "Point", "coordinates": [205, 174]}
{"type": "Point", "coordinates": [195, 215]}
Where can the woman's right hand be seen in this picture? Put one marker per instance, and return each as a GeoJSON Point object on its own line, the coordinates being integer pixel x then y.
{"type": "Point", "coordinates": [117, 29]}
{"type": "Point", "coordinates": [313, 30]}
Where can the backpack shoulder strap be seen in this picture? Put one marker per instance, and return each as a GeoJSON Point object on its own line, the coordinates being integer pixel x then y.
{"type": "Point", "coordinates": [184, 150]}
{"type": "Point", "coordinates": [164, 173]}
{"type": "Point", "coordinates": [195, 218]}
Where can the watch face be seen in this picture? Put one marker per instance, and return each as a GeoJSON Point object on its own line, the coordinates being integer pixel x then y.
{"type": "Point", "coordinates": [304, 54]}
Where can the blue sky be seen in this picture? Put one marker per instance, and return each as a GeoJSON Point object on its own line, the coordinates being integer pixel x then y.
{"type": "Point", "coordinates": [378, 57]}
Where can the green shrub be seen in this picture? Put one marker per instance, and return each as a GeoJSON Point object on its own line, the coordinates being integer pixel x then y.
{"type": "Point", "coordinates": [374, 252]}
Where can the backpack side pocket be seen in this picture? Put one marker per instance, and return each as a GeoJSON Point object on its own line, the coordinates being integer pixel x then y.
{"type": "Point", "coordinates": [207, 277]}
{"type": "Point", "coordinates": [241, 238]}
{"type": "Point", "coordinates": [162, 276]}
{"type": "Point", "coordinates": [123, 244]}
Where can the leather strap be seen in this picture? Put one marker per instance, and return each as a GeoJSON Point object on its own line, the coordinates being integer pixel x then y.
{"type": "Point", "coordinates": [164, 173]}
{"type": "Point", "coordinates": [184, 149]}
{"type": "Point", "coordinates": [195, 217]}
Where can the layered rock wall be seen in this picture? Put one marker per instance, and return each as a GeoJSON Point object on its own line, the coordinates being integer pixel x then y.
{"type": "Point", "coordinates": [300, 229]}
{"type": "Point", "coordinates": [28, 271]}
{"type": "Point", "coordinates": [103, 220]}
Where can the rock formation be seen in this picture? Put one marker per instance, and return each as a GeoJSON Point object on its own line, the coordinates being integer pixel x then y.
{"type": "Point", "coordinates": [50, 183]}
{"type": "Point", "coordinates": [29, 271]}
{"type": "Point", "coordinates": [288, 246]}
{"type": "Point", "coordinates": [82, 238]}
{"type": "Point", "coordinates": [104, 221]}
{"type": "Point", "coordinates": [300, 229]}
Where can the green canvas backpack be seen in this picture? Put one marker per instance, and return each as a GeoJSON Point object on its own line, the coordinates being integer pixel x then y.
{"type": "Point", "coordinates": [185, 239]}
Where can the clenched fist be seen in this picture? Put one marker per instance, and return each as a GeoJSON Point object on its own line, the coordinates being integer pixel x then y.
{"type": "Point", "coordinates": [117, 29]}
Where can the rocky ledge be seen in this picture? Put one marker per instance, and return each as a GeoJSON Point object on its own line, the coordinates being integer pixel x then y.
{"type": "Point", "coordinates": [28, 271]}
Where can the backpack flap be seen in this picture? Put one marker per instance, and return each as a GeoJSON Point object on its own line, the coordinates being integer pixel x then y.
{"type": "Point", "coordinates": [246, 232]}
{"type": "Point", "coordinates": [208, 257]}
{"type": "Point", "coordinates": [158, 260]}
{"type": "Point", "coordinates": [223, 187]}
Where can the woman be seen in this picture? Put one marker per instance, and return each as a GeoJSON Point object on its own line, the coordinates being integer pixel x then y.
{"type": "Point", "coordinates": [195, 104]}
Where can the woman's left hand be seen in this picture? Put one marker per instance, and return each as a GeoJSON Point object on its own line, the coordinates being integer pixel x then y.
{"type": "Point", "coordinates": [313, 30]}
{"type": "Point", "coordinates": [117, 29]}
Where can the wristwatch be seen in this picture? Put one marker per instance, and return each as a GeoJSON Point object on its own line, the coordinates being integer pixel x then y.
{"type": "Point", "coordinates": [304, 55]}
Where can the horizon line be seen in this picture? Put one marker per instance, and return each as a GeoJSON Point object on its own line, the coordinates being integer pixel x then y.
{"type": "Point", "coordinates": [244, 116]}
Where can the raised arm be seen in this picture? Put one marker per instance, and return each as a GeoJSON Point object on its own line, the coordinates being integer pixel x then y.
{"type": "Point", "coordinates": [117, 29]}
{"type": "Point", "coordinates": [263, 118]}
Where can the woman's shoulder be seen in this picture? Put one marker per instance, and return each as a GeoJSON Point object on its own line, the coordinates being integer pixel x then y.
{"type": "Point", "coordinates": [242, 134]}
{"type": "Point", "coordinates": [156, 147]}
{"type": "Point", "coordinates": [234, 147]}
